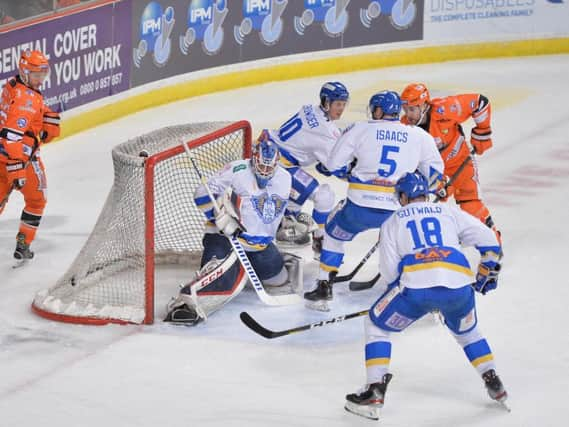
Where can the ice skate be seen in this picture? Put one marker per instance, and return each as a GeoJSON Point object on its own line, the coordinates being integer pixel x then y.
{"type": "Point", "coordinates": [368, 402]}
{"type": "Point", "coordinates": [22, 254]}
{"type": "Point", "coordinates": [318, 298]}
{"type": "Point", "coordinates": [495, 388]}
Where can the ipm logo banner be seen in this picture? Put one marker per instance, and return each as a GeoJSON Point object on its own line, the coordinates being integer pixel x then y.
{"type": "Point", "coordinates": [331, 14]}
{"type": "Point", "coordinates": [402, 13]}
{"type": "Point", "coordinates": [156, 25]}
{"type": "Point", "coordinates": [263, 16]}
{"type": "Point", "coordinates": [205, 20]}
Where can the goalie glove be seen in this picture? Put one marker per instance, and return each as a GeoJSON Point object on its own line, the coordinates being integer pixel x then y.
{"type": "Point", "coordinates": [227, 219]}
{"type": "Point", "coordinates": [226, 223]}
{"type": "Point", "coordinates": [488, 271]}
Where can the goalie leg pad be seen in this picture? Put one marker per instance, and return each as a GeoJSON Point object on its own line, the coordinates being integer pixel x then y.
{"type": "Point", "coordinates": [290, 279]}
{"type": "Point", "coordinates": [214, 245]}
{"type": "Point", "coordinates": [214, 285]}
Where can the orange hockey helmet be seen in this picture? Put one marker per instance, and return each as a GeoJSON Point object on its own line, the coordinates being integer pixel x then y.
{"type": "Point", "coordinates": [415, 94]}
{"type": "Point", "coordinates": [33, 68]}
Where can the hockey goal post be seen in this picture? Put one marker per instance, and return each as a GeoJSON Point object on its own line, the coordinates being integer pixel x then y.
{"type": "Point", "coordinates": [149, 222]}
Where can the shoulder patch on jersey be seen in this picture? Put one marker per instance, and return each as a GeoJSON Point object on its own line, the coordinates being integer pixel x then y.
{"type": "Point", "coordinates": [22, 123]}
{"type": "Point", "coordinates": [240, 167]}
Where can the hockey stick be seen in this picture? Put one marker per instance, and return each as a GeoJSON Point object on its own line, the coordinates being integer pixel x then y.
{"type": "Point", "coordinates": [360, 286]}
{"type": "Point", "coordinates": [455, 175]}
{"type": "Point", "coordinates": [267, 333]}
{"type": "Point", "coordinates": [238, 248]}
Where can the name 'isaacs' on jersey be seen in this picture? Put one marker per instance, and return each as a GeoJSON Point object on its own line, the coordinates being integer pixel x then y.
{"type": "Point", "coordinates": [391, 135]}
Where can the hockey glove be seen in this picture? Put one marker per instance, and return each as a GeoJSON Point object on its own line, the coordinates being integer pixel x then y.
{"type": "Point", "coordinates": [481, 139]}
{"type": "Point", "coordinates": [50, 129]}
{"type": "Point", "coordinates": [487, 277]}
{"type": "Point", "coordinates": [443, 190]}
{"type": "Point", "coordinates": [17, 174]}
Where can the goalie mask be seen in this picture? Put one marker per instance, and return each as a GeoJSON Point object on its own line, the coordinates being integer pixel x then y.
{"type": "Point", "coordinates": [265, 158]}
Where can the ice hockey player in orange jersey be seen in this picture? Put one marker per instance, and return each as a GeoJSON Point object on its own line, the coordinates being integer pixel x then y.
{"type": "Point", "coordinates": [25, 124]}
{"type": "Point", "coordinates": [442, 118]}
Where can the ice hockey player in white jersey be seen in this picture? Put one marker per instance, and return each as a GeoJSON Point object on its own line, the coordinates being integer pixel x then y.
{"type": "Point", "coordinates": [253, 196]}
{"type": "Point", "coordinates": [304, 140]}
{"type": "Point", "coordinates": [383, 149]}
{"type": "Point", "coordinates": [424, 268]}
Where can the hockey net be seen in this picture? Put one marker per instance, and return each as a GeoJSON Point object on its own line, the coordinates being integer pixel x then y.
{"type": "Point", "coordinates": [149, 220]}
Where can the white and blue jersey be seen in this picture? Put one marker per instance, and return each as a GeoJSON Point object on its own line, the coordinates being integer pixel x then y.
{"type": "Point", "coordinates": [421, 246]}
{"type": "Point", "coordinates": [260, 209]}
{"type": "Point", "coordinates": [420, 259]}
{"type": "Point", "coordinates": [385, 151]}
{"type": "Point", "coordinates": [306, 138]}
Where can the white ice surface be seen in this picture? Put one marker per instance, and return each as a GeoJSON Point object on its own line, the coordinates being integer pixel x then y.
{"type": "Point", "coordinates": [220, 373]}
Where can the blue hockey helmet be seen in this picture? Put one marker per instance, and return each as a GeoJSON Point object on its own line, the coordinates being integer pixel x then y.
{"type": "Point", "coordinates": [333, 91]}
{"type": "Point", "coordinates": [387, 100]}
{"type": "Point", "coordinates": [412, 185]}
{"type": "Point", "coordinates": [265, 157]}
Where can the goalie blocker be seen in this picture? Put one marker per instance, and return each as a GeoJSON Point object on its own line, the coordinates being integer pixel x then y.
{"type": "Point", "coordinates": [221, 278]}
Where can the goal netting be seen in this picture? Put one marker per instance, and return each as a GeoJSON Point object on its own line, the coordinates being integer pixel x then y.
{"type": "Point", "coordinates": [149, 221]}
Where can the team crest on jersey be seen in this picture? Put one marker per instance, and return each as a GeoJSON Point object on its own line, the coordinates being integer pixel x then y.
{"type": "Point", "coordinates": [441, 110]}
{"type": "Point", "coordinates": [268, 208]}
{"type": "Point", "coordinates": [22, 123]}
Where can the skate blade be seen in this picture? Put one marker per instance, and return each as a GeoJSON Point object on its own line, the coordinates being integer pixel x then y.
{"type": "Point", "coordinates": [502, 403]}
{"type": "Point", "coordinates": [321, 305]}
{"type": "Point", "coordinates": [369, 412]}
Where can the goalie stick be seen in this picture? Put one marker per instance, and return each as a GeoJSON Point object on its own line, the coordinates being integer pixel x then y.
{"type": "Point", "coordinates": [241, 255]}
{"type": "Point", "coordinates": [269, 334]}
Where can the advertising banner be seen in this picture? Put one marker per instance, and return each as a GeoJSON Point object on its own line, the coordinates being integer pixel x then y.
{"type": "Point", "coordinates": [173, 37]}
{"type": "Point", "coordinates": [478, 20]}
{"type": "Point", "coordinates": [89, 54]}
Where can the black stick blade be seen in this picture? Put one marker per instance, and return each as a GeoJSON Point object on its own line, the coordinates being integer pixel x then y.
{"type": "Point", "coordinates": [257, 328]}
{"type": "Point", "coordinates": [360, 286]}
